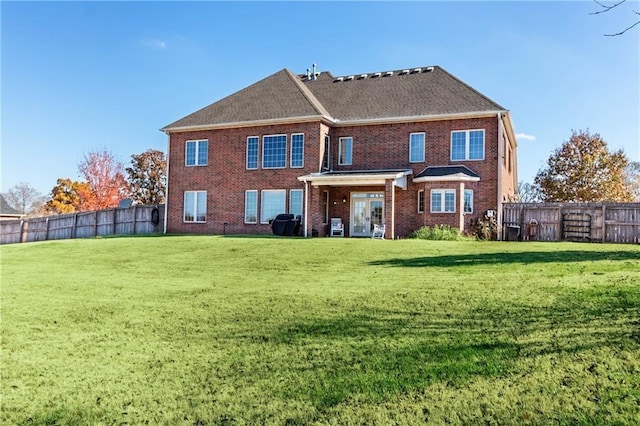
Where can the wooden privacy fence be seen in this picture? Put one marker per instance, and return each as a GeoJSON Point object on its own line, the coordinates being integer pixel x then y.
{"type": "Point", "coordinates": [129, 221]}
{"type": "Point", "coordinates": [598, 222]}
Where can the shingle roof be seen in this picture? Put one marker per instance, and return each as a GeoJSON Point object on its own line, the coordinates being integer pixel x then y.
{"type": "Point", "coordinates": [5, 208]}
{"type": "Point", "coordinates": [440, 171]}
{"type": "Point", "coordinates": [416, 92]}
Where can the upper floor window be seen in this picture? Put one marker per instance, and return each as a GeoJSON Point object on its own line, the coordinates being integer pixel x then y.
{"type": "Point", "coordinates": [196, 153]}
{"type": "Point", "coordinates": [274, 152]}
{"type": "Point", "coordinates": [195, 206]}
{"type": "Point", "coordinates": [416, 147]}
{"type": "Point", "coordinates": [252, 152]}
{"type": "Point", "coordinates": [443, 201]}
{"type": "Point", "coordinates": [326, 157]}
{"type": "Point", "coordinates": [345, 151]}
{"type": "Point", "coordinates": [467, 145]}
{"type": "Point", "coordinates": [297, 150]}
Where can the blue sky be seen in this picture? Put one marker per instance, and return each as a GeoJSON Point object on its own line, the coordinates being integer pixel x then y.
{"type": "Point", "coordinates": [81, 76]}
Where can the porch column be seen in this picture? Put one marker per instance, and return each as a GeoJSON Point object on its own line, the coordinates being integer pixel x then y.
{"type": "Point", "coordinates": [389, 208]}
{"type": "Point", "coordinates": [461, 204]}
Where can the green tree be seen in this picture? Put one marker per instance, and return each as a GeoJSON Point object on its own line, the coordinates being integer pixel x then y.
{"type": "Point", "coordinates": [147, 177]}
{"type": "Point", "coordinates": [583, 169]}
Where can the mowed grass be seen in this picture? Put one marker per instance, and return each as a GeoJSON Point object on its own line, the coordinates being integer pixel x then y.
{"type": "Point", "coordinates": [241, 330]}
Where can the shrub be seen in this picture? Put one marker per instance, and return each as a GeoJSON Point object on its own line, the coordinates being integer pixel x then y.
{"type": "Point", "coordinates": [438, 232]}
{"type": "Point", "coordinates": [484, 228]}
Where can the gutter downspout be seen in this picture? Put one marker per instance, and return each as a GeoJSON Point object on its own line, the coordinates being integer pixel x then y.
{"type": "Point", "coordinates": [500, 156]}
{"type": "Point", "coordinates": [166, 195]}
{"type": "Point", "coordinates": [306, 207]}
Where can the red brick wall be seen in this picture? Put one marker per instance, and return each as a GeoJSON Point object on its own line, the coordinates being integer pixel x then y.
{"type": "Point", "coordinates": [374, 147]}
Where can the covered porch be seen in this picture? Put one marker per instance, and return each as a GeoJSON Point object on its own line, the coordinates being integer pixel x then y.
{"type": "Point", "coordinates": [360, 199]}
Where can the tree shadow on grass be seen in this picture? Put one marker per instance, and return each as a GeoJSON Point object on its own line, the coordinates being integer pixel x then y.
{"type": "Point", "coordinates": [524, 257]}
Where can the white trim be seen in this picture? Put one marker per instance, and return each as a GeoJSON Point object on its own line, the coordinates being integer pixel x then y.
{"type": "Point", "coordinates": [246, 163]}
{"type": "Point", "coordinates": [245, 206]}
{"type": "Point", "coordinates": [340, 163]}
{"type": "Point", "coordinates": [424, 147]}
{"type": "Point", "coordinates": [467, 144]}
{"type": "Point", "coordinates": [291, 166]}
{"type": "Point", "coordinates": [320, 179]}
{"type": "Point", "coordinates": [458, 177]}
{"type": "Point", "coordinates": [332, 121]}
{"type": "Point", "coordinates": [499, 188]}
{"type": "Point", "coordinates": [285, 151]}
{"type": "Point", "coordinates": [197, 142]}
{"type": "Point", "coordinates": [195, 206]}
{"type": "Point", "coordinates": [442, 200]}
{"type": "Point", "coordinates": [166, 188]}
{"type": "Point", "coordinates": [284, 191]}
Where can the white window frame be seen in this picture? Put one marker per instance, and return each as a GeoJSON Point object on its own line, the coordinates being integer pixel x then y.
{"type": "Point", "coordinates": [297, 191]}
{"type": "Point", "coordinates": [468, 191]}
{"type": "Point", "coordinates": [341, 159]}
{"type": "Point", "coordinates": [198, 194]}
{"type": "Point", "coordinates": [421, 204]}
{"type": "Point", "coordinates": [285, 150]}
{"type": "Point", "coordinates": [257, 138]}
{"type": "Point", "coordinates": [197, 156]}
{"type": "Point", "coordinates": [467, 144]}
{"type": "Point", "coordinates": [424, 138]}
{"type": "Point", "coordinates": [442, 193]}
{"type": "Point", "coordinates": [262, 207]}
{"type": "Point", "coordinates": [291, 152]}
{"type": "Point", "coordinates": [246, 204]}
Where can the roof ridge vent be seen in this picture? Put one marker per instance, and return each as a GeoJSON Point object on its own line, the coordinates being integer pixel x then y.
{"type": "Point", "coordinates": [378, 74]}
{"type": "Point", "coordinates": [349, 77]}
{"type": "Point", "coordinates": [428, 69]}
{"type": "Point", "coordinates": [404, 72]}
{"type": "Point", "coordinates": [388, 73]}
{"type": "Point", "coordinates": [362, 76]}
{"type": "Point", "coordinates": [417, 70]}
{"type": "Point", "coordinates": [338, 79]}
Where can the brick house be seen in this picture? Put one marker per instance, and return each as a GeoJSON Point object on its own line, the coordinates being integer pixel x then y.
{"type": "Point", "coordinates": [405, 148]}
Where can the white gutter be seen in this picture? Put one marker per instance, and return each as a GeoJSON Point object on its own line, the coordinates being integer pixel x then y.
{"type": "Point", "coordinates": [166, 194]}
{"type": "Point", "coordinates": [500, 156]}
{"type": "Point", "coordinates": [430, 117]}
{"type": "Point", "coordinates": [458, 177]}
{"type": "Point", "coordinates": [254, 123]}
{"type": "Point", "coordinates": [306, 207]}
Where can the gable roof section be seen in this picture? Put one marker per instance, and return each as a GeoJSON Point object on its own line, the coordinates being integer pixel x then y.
{"type": "Point", "coordinates": [431, 91]}
{"type": "Point", "coordinates": [279, 96]}
{"type": "Point", "coordinates": [446, 173]}
{"type": "Point", "coordinates": [401, 95]}
{"type": "Point", "coordinates": [6, 209]}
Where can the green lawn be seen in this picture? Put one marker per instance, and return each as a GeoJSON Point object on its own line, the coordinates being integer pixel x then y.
{"type": "Point", "coordinates": [240, 330]}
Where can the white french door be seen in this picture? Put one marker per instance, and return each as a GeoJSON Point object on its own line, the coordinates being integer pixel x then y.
{"type": "Point", "coordinates": [367, 210]}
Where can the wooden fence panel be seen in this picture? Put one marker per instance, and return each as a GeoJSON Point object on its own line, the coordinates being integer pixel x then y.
{"type": "Point", "coordinates": [129, 221]}
{"type": "Point", "coordinates": [606, 222]}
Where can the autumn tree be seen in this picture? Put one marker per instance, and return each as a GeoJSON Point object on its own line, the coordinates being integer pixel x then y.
{"type": "Point", "coordinates": [23, 198]}
{"type": "Point", "coordinates": [583, 169]}
{"type": "Point", "coordinates": [105, 176]}
{"type": "Point", "coordinates": [147, 177]}
{"type": "Point", "coordinates": [70, 196]}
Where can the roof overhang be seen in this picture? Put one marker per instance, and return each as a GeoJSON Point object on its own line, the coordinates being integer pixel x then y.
{"type": "Point", "coordinates": [358, 178]}
{"type": "Point", "coordinates": [456, 177]}
{"type": "Point", "coordinates": [255, 123]}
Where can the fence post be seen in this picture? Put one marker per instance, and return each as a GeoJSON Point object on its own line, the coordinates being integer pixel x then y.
{"type": "Point", "coordinates": [46, 232]}
{"type": "Point", "coordinates": [74, 227]}
{"type": "Point", "coordinates": [604, 223]}
{"type": "Point", "coordinates": [23, 237]}
{"type": "Point", "coordinates": [114, 222]}
{"type": "Point", "coordinates": [134, 220]}
{"type": "Point", "coordinates": [95, 223]}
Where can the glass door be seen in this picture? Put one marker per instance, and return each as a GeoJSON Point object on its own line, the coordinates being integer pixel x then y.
{"type": "Point", "coordinates": [366, 211]}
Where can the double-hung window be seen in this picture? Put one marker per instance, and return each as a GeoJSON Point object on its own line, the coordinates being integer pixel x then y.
{"type": "Point", "coordinates": [467, 145]}
{"type": "Point", "coordinates": [468, 201]}
{"type": "Point", "coordinates": [345, 151]}
{"type": "Point", "coordinates": [274, 202]}
{"type": "Point", "coordinates": [251, 206]}
{"type": "Point", "coordinates": [196, 153]}
{"type": "Point", "coordinates": [295, 202]}
{"type": "Point", "coordinates": [443, 201]}
{"type": "Point", "coordinates": [297, 150]}
{"type": "Point", "coordinates": [274, 152]}
{"type": "Point", "coordinates": [416, 147]}
{"type": "Point", "coordinates": [252, 152]}
{"type": "Point", "coordinates": [195, 206]}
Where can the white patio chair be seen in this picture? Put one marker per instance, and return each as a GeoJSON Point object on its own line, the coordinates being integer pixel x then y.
{"type": "Point", "coordinates": [378, 232]}
{"type": "Point", "coordinates": [337, 227]}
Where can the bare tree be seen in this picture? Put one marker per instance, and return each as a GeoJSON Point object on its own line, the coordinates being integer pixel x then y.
{"type": "Point", "coordinates": [23, 197]}
{"type": "Point", "coordinates": [528, 193]}
{"type": "Point", "coordinates": [607, 8]}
